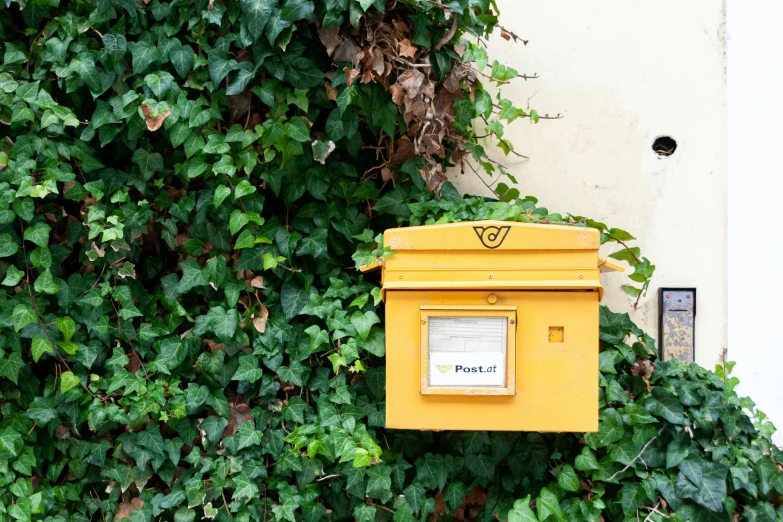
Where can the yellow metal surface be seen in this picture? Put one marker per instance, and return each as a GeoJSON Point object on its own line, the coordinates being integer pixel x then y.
{"type": "Point", "coordinates": [608, 266]}
{"type": "Point", "coordinates": [556, 383]}
{"type": "Point", "coordinates": [546, 275]}
{"type": "Point", "coordinates": [370, 268]}
{"type": "Point", "coordinates": [556, 334]}
{"type": "Point", "coordinates": [509, 313]}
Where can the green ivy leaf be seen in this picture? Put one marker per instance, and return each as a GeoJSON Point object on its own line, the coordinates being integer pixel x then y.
{"type": "Point", "coordinates": [192, 276]}
{"type": "Point", "coordinates": [293, 298]}
{"type": "Point", "coordinates": [248, 369]}
{"type": "Point", "coordinates": [257, 14]}
{"type": "Point", "coordinates": [8, 246]}
{"type": "Point", "coordinates": [10, 366]}
{"type": "Point", "coordinates": [238, 220]}
{"type": "Point", "coordinates": [218, 61]}
{"type": "Point", "coordinates": [182, 59]}
{"type": "Point", "coordinates": [149, 163]}
{"type": "Point", "coordinates": [10, 442]}
{"type": "Point", "coordinates": [567, 479]}
{"type": "Point", "coordinates": [363, 322]}
{"type": "Point", "coordinates": [547, 505]}
{"type": "Point", "coordinates": [68, 381]}
{"type": "Point", "coordinates": [67, 326]}
{"type": "Point", "coordinates": [243, 188]}
{"type": "Point", "coordinates": [13, 276]}
{"type": "Point", "coordinates": [221, 193]}
{"type": "Point", "coordinates": [159, 83]}
{"type": "Point", "coordinates": [22, 316]}
{"type": "Point", "coordinates": [40, 346]}
{"type": "Point", "coordinates": [223, 322]}
{"type": "Point", "coordinates": [521, 511]}
{"type": "Point", "coordinates": [664, 403]}
{"type": "Point", "coordinates": [38, 234]}
{"type": "Point", "coordinates": [47, 283]}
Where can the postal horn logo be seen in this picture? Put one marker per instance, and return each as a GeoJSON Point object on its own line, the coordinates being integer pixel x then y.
{"type": "Point", "coordinates": [492, 237]}
{"type": "Point", "coordinates": [443, 368]}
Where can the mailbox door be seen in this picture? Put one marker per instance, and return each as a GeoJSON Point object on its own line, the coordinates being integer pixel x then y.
{"type": "Point", "coordinates": [555, 374]}
{"type": "Point", "coordinates": [468, 350]}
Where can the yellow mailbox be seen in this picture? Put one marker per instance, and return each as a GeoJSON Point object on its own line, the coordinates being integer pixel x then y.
{"type": "Point", "coordinates": [492, 326]}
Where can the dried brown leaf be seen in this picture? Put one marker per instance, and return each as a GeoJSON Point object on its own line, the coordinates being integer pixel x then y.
{"type": "Point", "coordinates": [153, 122]}
{"type": "Point", "coordinates": [331, 93]}
{"type": "Point", "coordinates": [440, 508]}
{"type": "Point", "coordinates": [239, 105]}
{"type": "Point", "coordinates": [126, 507]}
{"type": "Point", "coordinates": [443, 103]}
{"type": "Point", "coordinates": [411, 81]}
{"type": "Point", "coordinates": [398, 94]}
{"type": "Point", "coordinates": [377, 62]}
{"type": "Point", "coordinates": [330, 38]}
{"type": "Point", "coordinates": [245, 300]}
{"type": "Point", "coordinates": [240, 413]}
{"type": "Point", "coordinates": [460, 49]}
{"type": "Point", "coordinates": [434, 178]}
{"type": "Point", "coordinates": [387, 174]}
{"type": "Point", "coordinates": [213, 346]}
{"type": "Point", "coordinates": [100, 251]}
{"type": "Point", "coordinates": [451, 83]}
{"type": "Point", "coordinates": [350, 75]}
{"type": "Point", "coordinates": [134, 362]}
{"type": "Point", "coordinates": [346, 51]}
{"type": "Point", "coordinates": [401, 28]}
{"type": "Point", "coordinates": [642, 367]}
{"type": "Point", "coordinates": [504, 34]}
{"type": "Point", "coordinates": [180, 239]}
{"type": "Point", "coordinates": [407, 49]}
{"type": "Point", "coordinates": [404, 152]}
{"type": "Point", "coordinates": [257, 282]}
{"type": "Point", "coordinates": [259, 321]}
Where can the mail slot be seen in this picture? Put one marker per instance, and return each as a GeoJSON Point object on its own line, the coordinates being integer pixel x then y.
{"type": "Point", "coordinates": [492, 326]}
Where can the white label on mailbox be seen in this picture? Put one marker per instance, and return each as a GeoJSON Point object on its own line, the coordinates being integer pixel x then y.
{"type": "Point", "coordinates": [467, 351]}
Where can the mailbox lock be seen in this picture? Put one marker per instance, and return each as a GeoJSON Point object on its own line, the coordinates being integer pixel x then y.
{"type": "Point", "coordinates": [490, 276]}
{"type": "Point", "coordinates": [492, 298]}
{"type": "Point", "coordinates": [581, 276]}
{"type": "Point", "coordinates": [401, 276]}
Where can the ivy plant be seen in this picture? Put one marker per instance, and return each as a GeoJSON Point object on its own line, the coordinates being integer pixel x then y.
{"type": "Point", "coordinates": [183, 332]}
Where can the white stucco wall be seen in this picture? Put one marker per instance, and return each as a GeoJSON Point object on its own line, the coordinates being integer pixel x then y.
{"type": "Point", "coordinates": [755, 183]}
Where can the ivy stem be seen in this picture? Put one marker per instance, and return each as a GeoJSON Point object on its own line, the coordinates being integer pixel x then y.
{"type": "Point", "coordinates": [642, 291]}
{"type": "Point", "coordinates": [379, 506]}
{"type": "Point", "coordinates": [637, 457]}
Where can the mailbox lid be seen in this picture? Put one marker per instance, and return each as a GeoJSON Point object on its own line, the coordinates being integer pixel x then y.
{"type": "Point", "coordinates": [493, 255]}
{"type": "Point", "coordinates": [492, 235]}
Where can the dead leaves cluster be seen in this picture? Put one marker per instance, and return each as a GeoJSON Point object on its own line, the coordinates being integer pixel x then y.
{"type": "Point", "coordinates": [381, 50]}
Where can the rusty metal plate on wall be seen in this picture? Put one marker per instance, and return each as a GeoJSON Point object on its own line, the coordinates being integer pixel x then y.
{"type": "Point", "coordinates": [677, 332]}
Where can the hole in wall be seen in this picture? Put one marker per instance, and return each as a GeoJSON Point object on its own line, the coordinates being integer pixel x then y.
{"type": "Point", "coordinates": [664, 146]}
